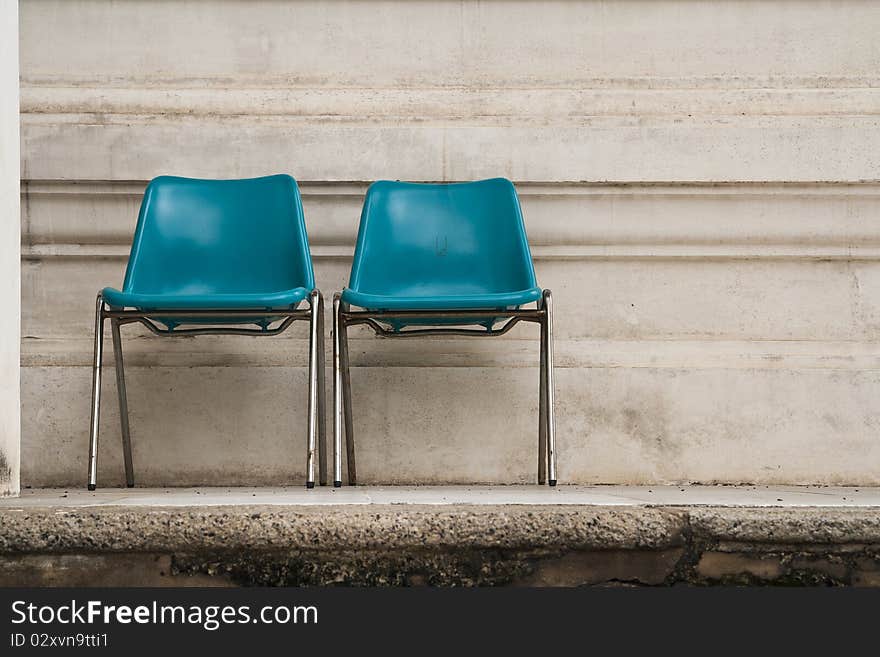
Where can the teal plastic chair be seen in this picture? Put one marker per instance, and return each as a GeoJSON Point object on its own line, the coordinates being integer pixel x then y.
{"type": "Point", "coordinates": [215, 257]}
{"type": "Point", "coordinates": [441, 259]}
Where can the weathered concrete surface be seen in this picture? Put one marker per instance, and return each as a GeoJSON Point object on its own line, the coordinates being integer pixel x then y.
{"type": "Point", "coordinates": [449, 546]}
{"type": "Point", "coordinates": [783, 526]}
{"type": "Point", "coordinates": [333, 528]}
{"type": "Point", "coordinates": [626, 91]}
{"type": "Point", "coordinates": [114, 569]}
{"type": "Point", "coordinates": [10, 253]}
{"type": "Point", "coordinates": [699, 182]}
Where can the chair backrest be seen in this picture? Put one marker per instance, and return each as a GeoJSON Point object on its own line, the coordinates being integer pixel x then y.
{"type": "Point", "coordinates": [220, 237]}
{"type": "Point", "coordinates": [420, 239]}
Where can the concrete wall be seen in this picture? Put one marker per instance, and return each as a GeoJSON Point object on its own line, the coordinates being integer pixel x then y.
{"type": "Point", "coordinates": [10, 252]}
{"type": "Point", "coordinates": [700, 180]}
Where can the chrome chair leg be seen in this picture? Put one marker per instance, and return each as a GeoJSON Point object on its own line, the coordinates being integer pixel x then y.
{"type": "Point", "coordinates": [342, 415]}
{"type": "Point", "coordinates": [547, 383]}
{"type": "Point", "coordinates": [345, 366]}
{"type": "Point", "coordinates": [120, 316]}
{"type": "Point", "coordinates": [322, 398]}
{"type": "Point", "coordinates": [96, 394]}
{"type": "Point", "coordinates": [337, 393]}
{"type": "Point", "coordinates": [542, 405]}
{"type": "Point", "coordinates": [123, 403]}
{"type": "Point", "coordinates": [314, 354]}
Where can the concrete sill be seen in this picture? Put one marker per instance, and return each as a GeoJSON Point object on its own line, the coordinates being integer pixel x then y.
{"type": "Point", "coordinates": [446, 536]}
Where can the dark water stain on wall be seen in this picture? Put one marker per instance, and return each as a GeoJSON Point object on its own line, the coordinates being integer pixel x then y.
{"type": "Point", "coordinates": [5, 469]}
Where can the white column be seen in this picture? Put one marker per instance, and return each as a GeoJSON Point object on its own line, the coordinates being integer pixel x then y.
{"type": "Point", "coordinates": [10, 252]}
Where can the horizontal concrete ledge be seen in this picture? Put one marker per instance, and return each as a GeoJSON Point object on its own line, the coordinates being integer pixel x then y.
{"type": "Point", "coordinates": [515, 350]}
{"type": "Point", "coordinates": [571, 222]}
{"type": "Point", "coordinates": [357, 188]}
{"type": "Point", "coordinates": [541, 252]}
{"type": "Point", "coordinates": [451, 103]}
{"type": "Point", "coordinates": [470, 538]}
{"type": "Point", "coordinates": [563, 495]}
{"type": "Point", "coordinates": [332, 527]}
{"type": "Point", "coordinates": [286, 84]}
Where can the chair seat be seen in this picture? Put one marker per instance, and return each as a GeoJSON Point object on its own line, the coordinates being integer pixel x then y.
{"type": "Point", "coordinates": [489, 301]}
{"type": "Point", "coordinates": [284, 299]}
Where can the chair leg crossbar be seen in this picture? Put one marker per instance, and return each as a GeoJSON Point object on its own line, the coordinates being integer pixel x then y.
{"type": "Point", "coordinates": [343, 317]}
{"type": "Point", "coordinates": [314, 314]}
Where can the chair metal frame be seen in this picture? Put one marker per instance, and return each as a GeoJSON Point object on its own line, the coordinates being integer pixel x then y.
{"type": "Point", "coordinates": [118, 317]}
{"type": "Point", "coordinates": [343, 317]}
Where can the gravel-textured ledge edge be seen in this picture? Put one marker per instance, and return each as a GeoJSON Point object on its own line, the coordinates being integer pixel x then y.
{"type": "Point", "coordinates": [334, 528]}
{"type": "Point", "coordinates": [149, 529]}
{"type": "Point", "coordinates": [450, 545]}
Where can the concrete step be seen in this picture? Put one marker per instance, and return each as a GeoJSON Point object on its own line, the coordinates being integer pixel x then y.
{"type": "Point", "coordinates": [449, 536]}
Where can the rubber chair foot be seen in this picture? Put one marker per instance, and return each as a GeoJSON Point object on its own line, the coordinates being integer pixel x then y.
{"type": "Point", "coordinates": [310, 484]}
{"type": "Point", "coordinates": [92, 486]}
{"type": "Point", "coordinates": [337, 484]}
{"type": "Point", "coordinates": [552, 482]}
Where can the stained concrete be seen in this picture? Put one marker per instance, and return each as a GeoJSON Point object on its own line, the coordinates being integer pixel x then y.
{"type": "Point", "coordinates": [89, 569]}
{"type": "Point", "coordinates": [707, 172]}
{"type": "Point", "coordinates": [445, 544]}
